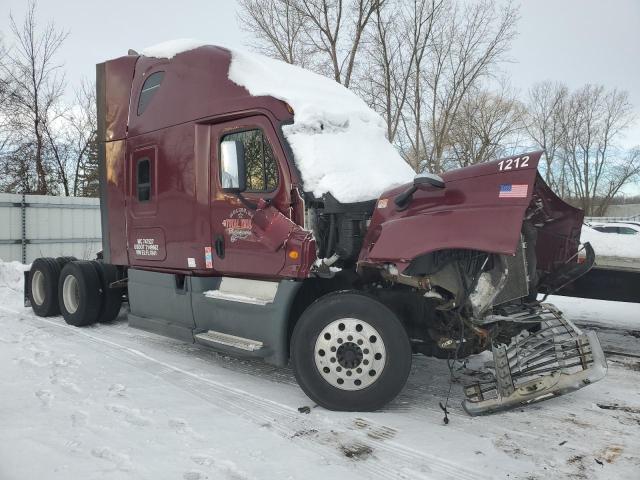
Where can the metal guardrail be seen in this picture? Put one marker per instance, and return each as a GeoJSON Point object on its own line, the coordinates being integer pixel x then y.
{"type": "Point", "coordinates": [42, 241]}
{"type": "Point", "coordinates": [49, 205]}
{"type": "Point", "coordinates": [24, 204]}
{"type": "Point", "coordinates": [632, 218]}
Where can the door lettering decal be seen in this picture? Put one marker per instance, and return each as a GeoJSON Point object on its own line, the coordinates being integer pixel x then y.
{"type": "Point", "coordinates": [238, 225]}
{"type": "Point", "coordinates": [146, 247]}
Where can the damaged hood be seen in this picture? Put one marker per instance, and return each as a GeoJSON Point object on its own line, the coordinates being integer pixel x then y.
{"type": "Point", "coordinates": [482, 207]}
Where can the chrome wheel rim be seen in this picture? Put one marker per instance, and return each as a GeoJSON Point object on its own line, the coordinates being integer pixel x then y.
{"type": "Point", "coordinates": [350, 354]}
{"type": "Point", "coordinates": [71, 294]}
{"type": "Point", "coordinates": [37, 287]}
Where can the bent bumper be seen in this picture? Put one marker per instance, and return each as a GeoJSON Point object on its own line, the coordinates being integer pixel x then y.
{"type": "Point", "coordinates": [555, 360]}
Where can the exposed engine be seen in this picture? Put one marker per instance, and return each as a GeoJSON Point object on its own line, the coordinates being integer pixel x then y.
{"type": "Point", "coordinates": [459, 302]}
{"type": "Point", "coordinates": [339, 228]}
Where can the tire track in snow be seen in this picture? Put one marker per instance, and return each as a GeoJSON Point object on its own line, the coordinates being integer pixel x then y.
{"type": "Point", "coordinates": [284, 420]}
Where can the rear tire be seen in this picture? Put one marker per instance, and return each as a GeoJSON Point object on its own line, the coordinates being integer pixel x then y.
{"type": "Point", "coordinates": [79, 293]}
{"type": "Point", "coordinates": [43, 290]}
{"type": "Point", "coordinates": [62, 261]}
{"type": "Point", "coordinates": [350, 352]}
{"type": "Point", "coordinates": [111, 297]}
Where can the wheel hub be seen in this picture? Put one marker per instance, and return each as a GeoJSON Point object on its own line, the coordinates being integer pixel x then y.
{"type": "Point", "coordinates": [71, 294]}
{"type": "Point", "coordinates": [350, 354]}
{"type": "Point", "coordinates": [37, 287]}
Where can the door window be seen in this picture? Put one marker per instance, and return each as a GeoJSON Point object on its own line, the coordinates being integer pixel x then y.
{"type": "Point", "coordinates": [143, 180]}
{"type": "Point", "coordinates": [261, 165]}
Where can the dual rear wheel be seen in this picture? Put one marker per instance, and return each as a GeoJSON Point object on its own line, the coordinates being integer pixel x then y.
{"type": "Point", "coordinates": [79, 290]}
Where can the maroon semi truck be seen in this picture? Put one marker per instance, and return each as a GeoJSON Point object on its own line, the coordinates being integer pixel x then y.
{"type": "Point", "coordinates": [211, 237]}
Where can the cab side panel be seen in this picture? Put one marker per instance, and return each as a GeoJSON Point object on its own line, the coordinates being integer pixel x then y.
{"type": "Point", "coordinates": [170, 228]}
{"type": "Point", "coordinates": [113, 87]}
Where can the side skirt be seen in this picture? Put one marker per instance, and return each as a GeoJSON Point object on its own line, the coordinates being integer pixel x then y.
{"type": "Point", "coordinates": [223, 309]}
{"type": "Point", "coordinates": [242, 317]}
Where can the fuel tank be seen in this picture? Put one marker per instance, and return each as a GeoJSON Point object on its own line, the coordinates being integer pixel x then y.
{"type": "Point", "coordinates": [481, 207]}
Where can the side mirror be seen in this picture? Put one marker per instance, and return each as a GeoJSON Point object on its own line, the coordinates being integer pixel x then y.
{"type": "Point", "coordinates": [423, 179]}
{"type": "Point", "coordinates": [232, 166]}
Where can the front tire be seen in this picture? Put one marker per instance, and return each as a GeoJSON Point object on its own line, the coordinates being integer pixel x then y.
{"type": "Point", "coordinates": [350, 352]}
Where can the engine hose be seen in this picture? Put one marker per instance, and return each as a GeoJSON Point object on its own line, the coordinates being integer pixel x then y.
{"type": "Point", "coordinates": [332, 235]}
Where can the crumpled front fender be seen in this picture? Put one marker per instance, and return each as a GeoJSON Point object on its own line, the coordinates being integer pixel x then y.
{"type": "Point", "coordinates": [474, 211]}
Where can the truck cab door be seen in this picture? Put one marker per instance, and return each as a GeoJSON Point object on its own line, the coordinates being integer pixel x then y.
{"type": "Point", "coordinates": [236, 250]}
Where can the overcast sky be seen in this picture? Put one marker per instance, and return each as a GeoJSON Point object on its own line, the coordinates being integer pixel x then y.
{"type": "Point", "coordinates": [573, 41]}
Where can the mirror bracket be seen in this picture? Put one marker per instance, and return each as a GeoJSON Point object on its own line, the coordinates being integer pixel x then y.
{"type": "Point", "coordinates": [420, 181]}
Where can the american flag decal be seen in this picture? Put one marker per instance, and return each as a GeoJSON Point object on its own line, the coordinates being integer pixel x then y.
{"type": "Point", "coordinates": [508, 190]}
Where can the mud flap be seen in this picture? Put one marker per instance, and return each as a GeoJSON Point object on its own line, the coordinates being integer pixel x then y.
{"type": "Point", "coordinates": [27, 288]}
{"type": "Point", "coordinates": [556, 359]}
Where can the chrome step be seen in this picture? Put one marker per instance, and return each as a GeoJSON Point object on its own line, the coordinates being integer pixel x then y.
{"type": "Point", "coordinates": [218, 338]}
{"type": "Point", "coordinates": [243, 290]}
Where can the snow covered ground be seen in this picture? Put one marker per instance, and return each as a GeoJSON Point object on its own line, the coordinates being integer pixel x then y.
{"type": "Point", "coordinates": [110, 402]}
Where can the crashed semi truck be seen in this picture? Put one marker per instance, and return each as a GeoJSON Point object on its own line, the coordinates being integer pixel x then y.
{"type": "Point", "coordinates": [256, 208]}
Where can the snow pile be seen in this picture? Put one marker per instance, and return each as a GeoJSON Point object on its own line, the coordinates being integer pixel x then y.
{"type": "Point", "coordinates": [338, 142]}
{"type": "Point", "coordinates": [171, 48]}
{"type": "Point", "coordinates": [12, 275]}
{"type": "Point", "coordinates": [611, 244]}
{"type": "Point", "coordinates": [588, 312]}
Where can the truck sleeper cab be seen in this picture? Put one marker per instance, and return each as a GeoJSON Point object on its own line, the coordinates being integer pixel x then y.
{"type": "Point", "coordinates": [211, 237]}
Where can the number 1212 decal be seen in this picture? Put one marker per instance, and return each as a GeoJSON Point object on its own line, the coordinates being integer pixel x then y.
{"type": "Point", "coordinates": [513, 163]}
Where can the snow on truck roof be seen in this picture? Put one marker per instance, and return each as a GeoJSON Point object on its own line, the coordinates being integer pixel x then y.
{"type": "Point", "coordinates": [338, 142]}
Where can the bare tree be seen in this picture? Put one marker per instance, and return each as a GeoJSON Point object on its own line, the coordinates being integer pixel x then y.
{"type": "Point", "coordinates": [396, 48]}
{"type": "Point", "coordinates": [324, 35]}
{"type": "Point", "coordinates": [422, 30]}
{"type": "Point", "coordinates": [618, 174]}
{"type": "Point", "coordinates": [469, 43]}
{"type": "Point", "coordinates": [5, 90]}
{"type": "Point", "coordinates": [84, 124]}
{"type": "Point", "coordinates": [544, 124]}
{"type": "Point", "coordinates": [278, 27]}
{"type": "Point", "coordinates": [37, 82]}
{"type": "Point", "coordinates": [486, 127]}
{"type": "Point", "coordinates": [71, 138]}
{"type": "Point", "coordinates": [413, 61]}
{"type": "Point", "coordinates": [592, 122]}
{"type": "Point", "coordinates": [57, 151]}
{"type": "Point", "coordinates": [337, 30]}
